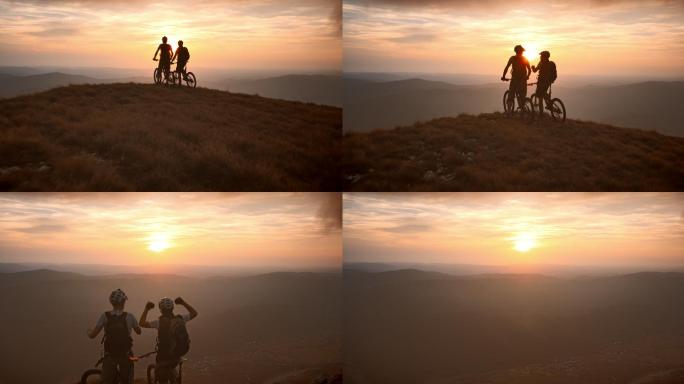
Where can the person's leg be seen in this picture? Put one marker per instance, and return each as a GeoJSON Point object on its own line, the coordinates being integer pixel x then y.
{"type": "Point", "coordinates": [522, 92]}
{"type": "Point", "coordinates": [125, 370]}
{"type": "Point", "coordinates": [161, 371]}
{"type": "Point", "coordinates": [108, 370]}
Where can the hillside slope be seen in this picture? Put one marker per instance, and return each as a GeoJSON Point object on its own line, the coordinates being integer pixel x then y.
{"type": "Point", "coordinates": [146, 137]}
{"type": "Point", "coordinates": [492, 152]}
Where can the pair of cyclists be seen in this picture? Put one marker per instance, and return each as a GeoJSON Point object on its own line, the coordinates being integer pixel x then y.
{"type": "Point", "coordinates": [166, 56]}
{"type": "Point", "coordinates": [172, 338]}
{"type": "Point", "coordinates": [521, 71]}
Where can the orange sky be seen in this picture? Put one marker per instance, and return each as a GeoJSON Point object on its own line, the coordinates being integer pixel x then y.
{"type": "Point", "coordinates": [593, 229]}
{"type": "Point", "coordinates": [585, 37]}
{"type": "Point", "coordinates": [231, 229]}
{"type": "Point", "coordinates": [227, 34]}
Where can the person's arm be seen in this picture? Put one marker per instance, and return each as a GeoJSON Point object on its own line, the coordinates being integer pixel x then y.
{"type": "Point", "coordinates": [156, 53]}
{"type": "Point", "coordinates": [191, 310]}
{"type": "Point", "coordinates": [506, 69]}
{"type": "Point", "coordinates": [134, 324]}
{"type": "Point", "coordinates": [93, 332]}
{"type": "Point", "coordinates": [143, 318]}
{"type": "Point", "coordinates": [535, 69]}
{"type": "Point", "coordinates": [529, 71]}
{"type": "Point", "coordinates": [174, 55]}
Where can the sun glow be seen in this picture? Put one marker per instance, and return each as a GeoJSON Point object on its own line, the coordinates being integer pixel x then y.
{"type": "Point", "coordinates": [531, 51]}
{"type": "Point", "coordinates": [158, 242]}
{"type": "Point", "coordinates": [524, 242]}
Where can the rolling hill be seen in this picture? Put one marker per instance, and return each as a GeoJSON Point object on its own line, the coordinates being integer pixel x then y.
{"type": "Point", "coordinates": [370, 105]}
{"type": "Point", "coordinates": [124, 137]}
{"type": "Point", "coordinates": [13, 85]}
{"type": "Point", "coordinates": [492, 152]}
{"type": "Point", "coordinates": [251, 329]}
{"type": "Point", "coordinates": [426, 327]}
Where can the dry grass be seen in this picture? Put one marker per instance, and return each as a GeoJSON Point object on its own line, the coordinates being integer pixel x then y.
{"type": "Point", "coordinates": [122, 137]}
{"type": "Point", "coordinates": [491, 152]}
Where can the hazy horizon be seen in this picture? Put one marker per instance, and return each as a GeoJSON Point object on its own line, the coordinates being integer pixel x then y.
{"type": "Point", "coordinates": [158, 231]}
{"type": "Point", "coordinates": [513, 232]}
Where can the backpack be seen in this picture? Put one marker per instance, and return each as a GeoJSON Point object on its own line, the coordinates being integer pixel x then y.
{"type": "Point", "coordinates": [117, 341]}
{"type": "Point", "coordinates": [184, 54]}
{"type": "Point", "coordinates": [554, 73]}
{"type": "Point", "coordinates": [173, 340]}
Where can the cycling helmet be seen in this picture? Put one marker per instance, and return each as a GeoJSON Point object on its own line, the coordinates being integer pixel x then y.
{"type": "Point", "coordinates": [518, 48]}
{"type": "Point", "coordinates": [545, 54]}
{"type": "Point", "coordinates": [117, 297]}
{"type": "Point", "coordinates": [165, 303]}
{"type": "Point", "coordinates": [164, 39]}
{"type": "Point", "coordinates": [180, 43]}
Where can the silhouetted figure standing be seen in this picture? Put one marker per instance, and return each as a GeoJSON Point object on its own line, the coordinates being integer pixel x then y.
{"type": "Point", "coordinates": [520, 72]}
{"type": "Point", "coordinates": [118, 343]}
{"type": "Point", "coordinates": [172, 337]}
{"type": "Point", "coordinates": [183, 56]}
{"type": "Point", "coordinates": [547, 75]}
{"type": "Point", "coordinates": [165, 51]}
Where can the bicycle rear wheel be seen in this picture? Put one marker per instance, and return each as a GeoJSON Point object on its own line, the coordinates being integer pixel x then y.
{"type": "Point", "coordinates": [92, 376]}
{"type": "Point", "coordinates": [191, 80]}
{"type": "Point", "coordinates": [558, 110]}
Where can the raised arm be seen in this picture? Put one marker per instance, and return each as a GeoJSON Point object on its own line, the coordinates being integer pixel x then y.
{"type": "Point", "coordinates": [143, 318]}
{"type": "Point", "coordinates": [191, 310]}
{"type": "Point", "coordinates": [174, 55]}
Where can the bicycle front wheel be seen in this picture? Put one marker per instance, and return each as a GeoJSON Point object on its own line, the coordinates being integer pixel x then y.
{"type": "Point", "coordinates": [157, 76]}
{"type": "Point", "coordinates": [527, 110]}
{"type": "Point", "coordinates": [191, 80]}
{"type": "Point", "coordinates": [151, 374]}
{"type": "Point", "coordinates": [558, 110]}
{"type": "Point", "coordinates": [536, 104]}
{"type": "Point", "coordinates": [92, 376]}
{"type": "Point", "coordinates": [508, 102]}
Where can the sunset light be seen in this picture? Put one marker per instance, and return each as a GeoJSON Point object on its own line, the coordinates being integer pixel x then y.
{"type": "Point", "coordinates": [525, 241]}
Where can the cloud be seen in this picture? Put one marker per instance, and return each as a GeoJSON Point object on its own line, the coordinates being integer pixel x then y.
{"type": "Point", "coordinates": [503, 3]}
{"type": "Point", "coordinates": [409, 228]}
{"type": "Point", "coordinates": [42, 229]}
{"type": "Point", "coordinates": [330, 212]}
{"type": "Point", "coordinates": [55, 32]}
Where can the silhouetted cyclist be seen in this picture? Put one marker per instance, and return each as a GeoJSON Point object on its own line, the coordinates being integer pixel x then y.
{"type": "Point", "coordinates": [165, 51]}
{"type": "Point", "coordinates": [118, 343]}
{"type": "Point", "coordinates": [520, 72]}
{"type": "Point", "coordinates": [183, 56]}
{"type": "Point", "coordinates": [547, 75]}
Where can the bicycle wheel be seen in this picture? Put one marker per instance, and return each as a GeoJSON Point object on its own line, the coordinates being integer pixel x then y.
{"type": "Point", "coordinates": [558, 110]}
{"type": "Point", "coordinates": [527, 110]}
{"type": "Point", "coordinates": [508, 103]}
{"type": "Point", "coordinates": [92, 376]}
{"type": "Point", "coordinates": [157, 76]}
{"type": "Point", "coordinates": [151, 376]}
{"type": "Point", "coordinates": [191, 80]}
{"type": "Point", "coordinates": [536, 104]}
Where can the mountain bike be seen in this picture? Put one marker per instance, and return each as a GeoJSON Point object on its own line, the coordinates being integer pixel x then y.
{"type": "Point", "coordinates": [557, 108]}
{"type": "Point", "coordinates": [189, 78]}
{"type": "Point", "coordinates": [162, 76]}
{"type": "Point", "coordinates": [526, 111]}
{"type": "Point", "coordinates": [94, 375]}
{"type": "Point", "coordinates": [176, 377]}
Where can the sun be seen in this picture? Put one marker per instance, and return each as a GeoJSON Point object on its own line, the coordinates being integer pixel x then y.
{"type": "Point", "coordinates": [158, 242]}
{"type": "Point", "coordinates": [524, 242]}
{"type": "Point", "coordinates": [531, 51]}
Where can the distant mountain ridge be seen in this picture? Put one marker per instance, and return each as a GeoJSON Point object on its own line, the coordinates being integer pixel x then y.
{"type": "Point", "coordinates": [370, 105]}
